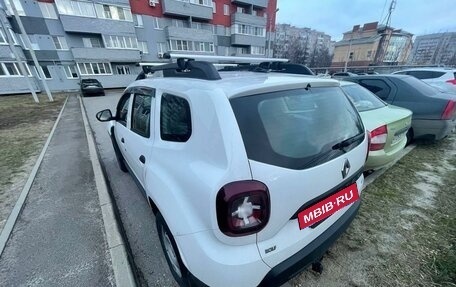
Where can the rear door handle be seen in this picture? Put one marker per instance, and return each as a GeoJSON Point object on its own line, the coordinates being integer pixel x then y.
{"type": "Point", "coordinates": [122, 140]}
{"type": "Point", "coordinates": [142, 159]}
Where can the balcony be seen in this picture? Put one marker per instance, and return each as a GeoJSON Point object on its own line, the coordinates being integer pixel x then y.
{"type": "Point", "coordinates": [173, 7]}
{"type": "Point", "coordinates": [257, 3]}
{"type": "Point", "coordinates": [248, 19]}
{"type": "Point", "coordinates": [79, 24]}
{"type": "Point", "coordinates": [190, 34]}
{"type": "Point", "coordinates": [103, 54]}
{"type": "Point", "coordinates": [247, 40]}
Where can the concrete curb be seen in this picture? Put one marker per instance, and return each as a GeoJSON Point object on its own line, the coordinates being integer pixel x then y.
{"type": "Point", "coordinates": [12, 218]}
{"type": "Point", "coordinates": [376, 174]}
{"type": "Point", "coordinates": [123, 274]}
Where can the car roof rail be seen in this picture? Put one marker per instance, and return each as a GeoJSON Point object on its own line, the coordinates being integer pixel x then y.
{"type": "Point", "coordinates": [272, 66]}
{"type": "Point", "coordinates": [183, 68]}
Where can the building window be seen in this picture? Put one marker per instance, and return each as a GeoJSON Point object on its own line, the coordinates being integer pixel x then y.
{"type": "Point", "coordinates": [240, 10]}
{"type": "Point", "coordinates": [226, 10]}
{"type": "Point", "coordinates": [198, 2]}
{"type": "Point", "coordinates": [184, 45]}
{"type": "Point", "coordinates": [70, 71]}
{"type": "Point", "coordinates": [139, 21]}
{"type": "Point", "coordinates": [120, 42]}
{"type": "Point", "coordinates": [44, 70]}
{"type": "Point", "coordinates": [175, 119]}
{"type": "Point", "coordinates": [161, 47]}
{"type": "Point", "coordinates": [60, 43]}
{"type": "Point", "coordinates": [2, 38]}
{"type": "Point", "coordinates": [157, 22]}
{"type": "Point", "coordinates": [248, 30]}
{"type": "Point", "coordinates": [92, 43]}
{"type": "Point", "coordinates": [48, 11]}
{"type": "Point", "coordinates": [113, 12]}
{"type": "Point", "coordinates": [11, 69]}
{"type": "Point", "coordinates": [123, 70]}
{"type": "Point", "coordinates": [257, 50]}
{"type": "Point", "coordinates": [76, 8]}
{"type": "Point", "coordinates": [17, 4]}
{"type": "Point", "coordinates": [142, 46]}
{"type": "Point", "coordinates": [214, 7]}
{"type": "Point", "coordinates": [90, 69]}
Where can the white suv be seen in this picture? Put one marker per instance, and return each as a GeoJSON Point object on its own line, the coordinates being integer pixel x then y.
{"type": "Point", "coordinates": [441, 78]}
{"type": "Point", "coordinates": [252, 176]}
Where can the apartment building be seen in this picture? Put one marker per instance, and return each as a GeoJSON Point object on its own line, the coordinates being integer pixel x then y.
{"type": "Point", "coordinates": [308, 40]}
{"type": "Point", "coordinates": [434, 49]}
{"type": "Point", "coordinates": [372, 44]}
{"type": "Point", "coordinates": [106, 39]}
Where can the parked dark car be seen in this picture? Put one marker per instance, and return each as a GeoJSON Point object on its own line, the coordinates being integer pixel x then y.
{"type": "Point", "coordinates": [340, 75]}
{"type": "Point", "coordinates": [434, 112]}
{"type": "Point", "coordinates": [91, 87]}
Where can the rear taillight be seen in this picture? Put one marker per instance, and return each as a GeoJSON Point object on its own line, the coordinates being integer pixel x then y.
{"type": "Point", "coordinates": [452, 81]}
{"type": "Point", "coordinates": [243, 207]}
{"type": "Point", "coordinates": [378, 138]}
{"type": "Point", "coordinates": [449, 110]}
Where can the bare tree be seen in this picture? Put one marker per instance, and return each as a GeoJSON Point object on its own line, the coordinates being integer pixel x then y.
{"type": "Point", "coordinates": [320, 58]}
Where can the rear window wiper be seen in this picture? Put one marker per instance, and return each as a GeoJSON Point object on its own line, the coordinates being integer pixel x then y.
{"type": "Point", "coordinates": [347, 142]}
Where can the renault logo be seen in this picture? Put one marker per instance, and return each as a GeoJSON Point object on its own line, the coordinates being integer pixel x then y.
{"type": "Point", "coordinates": [345, 169]}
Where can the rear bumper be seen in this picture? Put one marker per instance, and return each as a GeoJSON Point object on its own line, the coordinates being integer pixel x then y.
{"type": "Point", "coordinates": [312, 252]}
{"type": "Point", "coordinates": [379, 159]}
{"type": "Point", "coordinates": [98, 91]}
{"type": "Point", "coordinates": [438, 129]}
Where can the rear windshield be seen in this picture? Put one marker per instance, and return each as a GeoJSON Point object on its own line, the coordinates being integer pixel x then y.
{"type": "Point", "coordinates": [421, 86]}
{"type": "Point", "coordinates": [297, 129]}
{"type": "Point", "coordinates": [363, 99]}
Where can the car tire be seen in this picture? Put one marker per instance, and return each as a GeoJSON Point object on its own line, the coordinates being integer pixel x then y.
{"type": "Point", "coordinates": [409, 136]}
{"type": "Point", "coordinates": [171, 252]}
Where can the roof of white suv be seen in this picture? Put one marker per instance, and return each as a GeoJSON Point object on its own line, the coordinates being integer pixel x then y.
{"type": "Point", "coordinates": [237, 84]}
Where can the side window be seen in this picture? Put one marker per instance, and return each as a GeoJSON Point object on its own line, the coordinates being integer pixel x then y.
{"type": "Point", "coordinates": [140, 118]}
{"type": "Point", "coordinates": [378, 87]}
{"type": "Point", "coordinates": [122, 109]}
{"type": "Point", "coordinates": [175, 119]}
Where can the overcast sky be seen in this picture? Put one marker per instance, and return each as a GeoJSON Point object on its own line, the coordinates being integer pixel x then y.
{"type": "Point", "coordinates": [337, 16]}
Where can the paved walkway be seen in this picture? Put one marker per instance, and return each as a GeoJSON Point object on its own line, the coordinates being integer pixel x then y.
{"type": "Point", "coordinates": [59, 238]}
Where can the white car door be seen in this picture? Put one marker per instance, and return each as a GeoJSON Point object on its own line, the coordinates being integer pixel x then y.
{"type": "Point", "coordinates": [122, 126]}
{"type": "Point", "coordinates": [140, 137]}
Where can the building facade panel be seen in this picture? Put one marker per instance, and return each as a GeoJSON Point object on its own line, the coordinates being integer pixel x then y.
{"type": "Point", "coordinates": [32, 25]}
{"type": "Point", "coordinates": [189, 34]}
{"type": "Point", "coordinates": [249, 19]}
{"type": "Point", "coordinates": [257, 3]}
{"type": "Point", "coordinates": [42, 55]}
{"type": "Point", "coordinates": [78, 24]}
{"type": "Point", "coordinates": [247, 40]}
{"type": "Point", "coordinates": [16, 85]}
{"type": "Point", "coordinates": [103, 54]}
{"type": "Point", "coordinates": [174, 7]}
{"type": "Point", "coordinates": [7, 54]}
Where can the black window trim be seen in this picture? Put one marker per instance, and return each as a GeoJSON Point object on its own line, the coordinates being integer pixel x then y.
{"type": "Point", "coordinates": [119, 107]}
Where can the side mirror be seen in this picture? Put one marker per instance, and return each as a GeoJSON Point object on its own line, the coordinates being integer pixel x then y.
{"type": "Point", "coordinates": [104, 116]}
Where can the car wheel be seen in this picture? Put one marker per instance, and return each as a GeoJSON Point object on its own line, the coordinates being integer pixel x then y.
{"type": "Point", "coordinates": [409, 136]}
{"type": "Point", "coordinates": [177, 268]}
